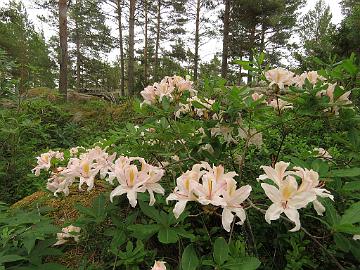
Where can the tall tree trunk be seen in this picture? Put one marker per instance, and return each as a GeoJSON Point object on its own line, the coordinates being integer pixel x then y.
{"type": "Point", "coordinates": [78, 53]}
{"type": "Point", "coordinates": [131, 82]}
{"type": "Point", "coordinates": [146, 42]}
{"type": "Point", "coordinates": [122, 62]}
{"type": "Point", "coordinates": [63, 47]}
{"type": "Point", "coordinates": [251, 53]}
{"type": "Point", "coordinates": [225, 52]}
{"type": "Point", "coordinates": [157, 43]}
{"type": "Point", "coordinates": [197, 29]}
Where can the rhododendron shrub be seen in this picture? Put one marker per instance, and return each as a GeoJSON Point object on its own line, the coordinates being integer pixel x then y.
{"type": "Point", "coordinates": [235, 163]}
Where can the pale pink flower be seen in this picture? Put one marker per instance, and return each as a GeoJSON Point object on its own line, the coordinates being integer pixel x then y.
{"type": "Point", "coordinates": [280, 77]}
{"type": "Point", "coordinates": [149, 95]}
{"type": "Point", "coordinates": [276, 174]}
{"type": "Point", "coordinates": [68, 233]}
{"type": "Point", "coordinates": [184, 190]}
{"type": "Point", "coordinates": [252, 135]}
{"type": "Point", "coordinates": [314, 77]}
{"type": "Point", "coordinates": [44, 161]}
{"type": "Point", "coordinates": [233, 199]}
{"type": "Point", "coordinates": [131, 182]}
{"type": "Point", "coordinates": [279, 104]}
{"type": "Point", "coordinates": [159, 265]}
{"type": "Point", "coordinates": [256, 96]}
{"type": "Point", "coordinates": [310, 183]}
{"type": "Point", "coordinates": [299, 80]}
{"type": "Point", "coordinates": [224, 131]}
{"type": "Point", "coordinates": [322, 153]}
{"type": "Point", "coordinates": [286, 199]}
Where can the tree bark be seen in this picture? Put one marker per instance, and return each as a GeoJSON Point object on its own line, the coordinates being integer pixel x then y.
{"type": "Point", "coordinates": [122, 62]}
{"type": "Point", "coordinates": [63, 47]}
{"type": "Point", "coordinates": [157, 43]}
{"type": "Point", "coordinates": [78, 53]}
{"type": "Point", "coordinates": [251, 53]}
{"type": "Point", "coordinates": [197, 29]}
{"type": "Point", "coordinates": [131, 82]}
{"type": "Point", "coordinates": [225, 52]}
{"type": "Point", "coordinates": [146, 42]}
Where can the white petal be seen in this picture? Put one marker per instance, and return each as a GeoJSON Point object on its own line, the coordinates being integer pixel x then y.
{"type": "Point", "coordinates": [319, 208]}
{"type": "Point", "coordinates": [272, 192]}
{"type": "Point", "coordinates": [118, 191]}
{"type": "Point", "coordinates": [301, 199]}
{"type": "Point", "coordinates": [179, 208]}
{"type": "Point", "coordinates": [240, 213]}
{"type": "Point", "coordinates": [227, 218]}
{"type": "Point", "coordinates": [273, 212]}
{"type": "Point", "coordinates": [152, 197]}
{"type": "Point", "coordinates": [294, 216]}
{"type": "Point", "coordinates": [132, 197]}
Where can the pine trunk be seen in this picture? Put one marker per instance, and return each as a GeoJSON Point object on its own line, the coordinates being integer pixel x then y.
{"type": "Point", "coordinates": [157, 43]}
{"type": "Point", "coordinates": [225, 52]}
{"type": "Point", "coordinates": [146, 43]}
{"type": "Point", "coordinates": [131, 82]}
{"type": "Point", "coordinates": [251, 53]}
{"type": "Point", "coordinates": [122, 65]}
{"type": "Point", "coordinates": [63, 47]}
{"type": "Point", "coordinates": [78, 53]}
{"type": "Point", "coordinates": [197, 29]}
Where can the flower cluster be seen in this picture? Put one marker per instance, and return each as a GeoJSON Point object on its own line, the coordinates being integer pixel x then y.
{"type": "Point", "coordinates": [168, 87]}
{"type": "Point", "coordinates": [66, 234]}
{"type": "Point", "coordinates": [200, 112]}
{"type": "Point", "coordinates": [44, 161]}
{"type": "Point", "coordinates": [132, 180]}
{"type": "Point", "coordinates": [216, 188]}
{"type": "Point", "coordinates": [97, 162]}
{"type": "Point", "coordinates": [287, 196]}
{"type": "Point", "coordinates": [282, 77]}
{"type": "Point", "coordinates": [335, 104]}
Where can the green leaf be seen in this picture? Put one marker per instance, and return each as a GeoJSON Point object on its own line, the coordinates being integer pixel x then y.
{"type": "Point", "coordinates": [11, 258]}
{"type": "Point", "coordinates": [331, 214]}
{"type": "Point", "coordinates": [246, 263]}
{"type": "Point", "coordinates": [347, 228]}
{"type": "Point", "coordinates": [342, 242]}
{"type": "Point", "coordinates": [189, 258]}
{"type": "Point", "coordinates": [143, 231]}
{"type": "Point", "coordinates": [351, 172]}
{"type": "Point", "coordinates": [221, 251]}
{"type": "Point", "coordinates": [351, 215]}
{"type": "Point", "coordinates": [150, 211]}
{"type": "Point", "coordinates": [167, 235]}
{"type": "Point", "coordinates": [352, 186]}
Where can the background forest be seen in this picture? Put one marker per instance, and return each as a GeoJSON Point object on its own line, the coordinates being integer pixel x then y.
{"type": "Point", "coordinates": [199, 134]}
{"type": "Point", "coordinates": [157, 38]}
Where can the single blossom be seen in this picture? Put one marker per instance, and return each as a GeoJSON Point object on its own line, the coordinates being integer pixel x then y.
{"type": "Point", "coordinates": [44, 161]}
{"type": "Point", "coordinates": [131, 182]}
{"type": "Point", "coordinates": [279, 76]}
{"type": "Point", "coordinates": [256, 96]}
{"type": "Point", "coordinates": [233, 199]}
{"type": "Point", "coordinates": [159, 265]}
{"type": "Point", "coordinates": [310, 183]}
{"type": "Point", "coordinates": [185, 189]}
{"type": "Point", "coordinates": [68, 233]}
{"type": "Point", "coordinates": [286, 199]}
{"type": "Point", "coordinates": [276, 174]}
{"type": "Point", "coordinates": [251, 135]}
{"type": "Point", "coordinates": [279, 104]}
{"type": "Point", "coordinates": [322, 153]}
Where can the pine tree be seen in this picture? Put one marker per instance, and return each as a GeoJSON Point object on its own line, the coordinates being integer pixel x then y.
{"type": "Point", "coordinates": [315, 31]}
{"type": "Point", "coordinates": [25, 47]}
